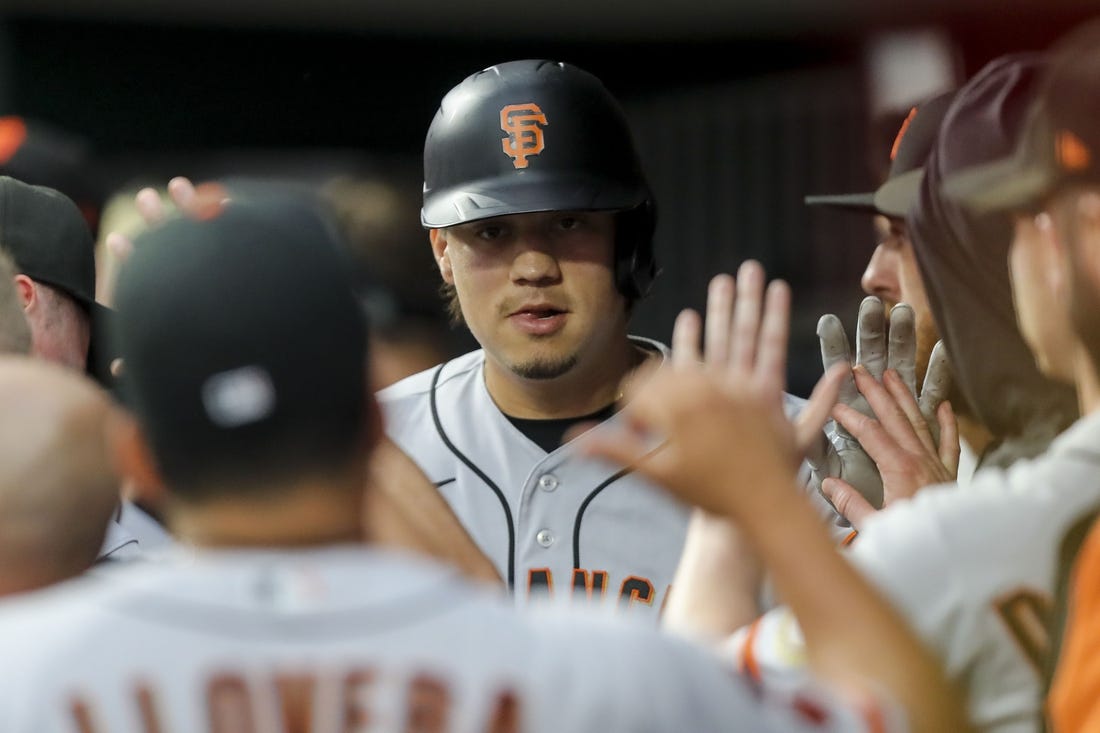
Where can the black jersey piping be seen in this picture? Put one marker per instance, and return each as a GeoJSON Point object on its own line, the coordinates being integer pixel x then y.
{"type": "Point", "coordinates": [580, 514]}
{"type": "Point", "coordinates": [481, 475]}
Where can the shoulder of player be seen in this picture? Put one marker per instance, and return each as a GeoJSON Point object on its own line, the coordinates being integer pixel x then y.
{"type": "Point", "coordinates": [417, 386]}
{"type": "Point", "coordinates": [971, 521]}
{"type": "Point", "coordinates": [38, 617]}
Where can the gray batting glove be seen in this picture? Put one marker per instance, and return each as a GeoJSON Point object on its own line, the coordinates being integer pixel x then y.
{"type": "Point", "coordinates": [838, 454]}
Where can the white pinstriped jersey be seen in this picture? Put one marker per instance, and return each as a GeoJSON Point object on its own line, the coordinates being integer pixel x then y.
{"type": "Point", "coordinates": [975, 571]}
{"type": "Point", "coordinates": [552, 521]}
{"type": "Point", "coordinates": [350, 639]}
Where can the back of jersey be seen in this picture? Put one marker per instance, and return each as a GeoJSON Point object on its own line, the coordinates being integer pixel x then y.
{"type": "Point", "coordinates": [344, 639]}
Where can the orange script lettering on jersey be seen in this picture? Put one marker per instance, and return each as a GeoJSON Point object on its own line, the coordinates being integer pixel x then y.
{"type": "Point", "coordinates": [309, 701]}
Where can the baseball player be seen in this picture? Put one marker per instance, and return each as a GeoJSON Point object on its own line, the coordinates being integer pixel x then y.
{"type": "Point", "coordinates": [541, 221]}
{"type": "Point", "coordinates": [281, 620]}
{"type": "Point", "coordinates": [974, 571]}
{"type": "Point", "coordinates": [1051, 186]}
{"type": "Point", "coordinates": [404, 510]}
{"type": "Point", "coordinates": [892, 278]}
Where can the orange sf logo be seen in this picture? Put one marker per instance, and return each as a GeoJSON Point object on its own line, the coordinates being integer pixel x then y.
{"type": "Point", "coordinates": [522, 123]}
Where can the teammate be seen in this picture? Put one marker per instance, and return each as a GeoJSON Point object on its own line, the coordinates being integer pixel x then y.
{"type": "Point", "coordinates": [973, 570]}
{"type": "Point", "coordinates": [892, 278]}
{"type": "Point", "coordinates": [1051, 184]}
{"type": "Point", "coordinates": [403, 511]}
{"type": "Point", "coordinates": [58, 487]}
{"type": "Point", "coordinates": [51, 280]}
{"type": "Point", "coordinates": [48, 239]}
{"type": "Point", "coordinates": [281, 620]}
{"type": "Point", "coordinates": [541, 221]}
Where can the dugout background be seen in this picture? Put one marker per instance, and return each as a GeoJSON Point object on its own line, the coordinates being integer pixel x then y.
{"type": "Point", "coordinates": [735, 125]}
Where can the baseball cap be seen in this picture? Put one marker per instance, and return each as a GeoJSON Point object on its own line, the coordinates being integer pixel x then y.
{"type": "Point", "coordinates": [911, 147]}
{"type": "Point", "coordinates": [1060, 140]}
{"type": "Point", "coordinates": [48, 239]}
{"type": "Point", "coordinates": [244, 341]}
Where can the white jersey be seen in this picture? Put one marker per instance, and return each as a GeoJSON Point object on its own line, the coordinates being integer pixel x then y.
{"type": "Point", "coordinates": [351, 639]}
{"type": "Point", "coordinates": [133, 534]}
{"type": "Point", "coordinates": [975, 572]}
{"type": "Point", "coordinates": [554, 522]}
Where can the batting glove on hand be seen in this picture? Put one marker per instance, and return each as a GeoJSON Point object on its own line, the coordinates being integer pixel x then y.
{"type": "Point", "coordinates": [838, 454]}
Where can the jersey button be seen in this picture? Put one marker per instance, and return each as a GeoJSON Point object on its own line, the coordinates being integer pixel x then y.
{"type": "Point", "coordinates": [548, 482]}
{"type": "Point", "coordinates": [545, 537]}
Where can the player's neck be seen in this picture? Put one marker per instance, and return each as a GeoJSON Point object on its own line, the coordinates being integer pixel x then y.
{"type": "Point", "coordinates": [1087, 382]}
{"type": "Point", "coordinates": [302, 516]}
{"type": "Point", "coordinates": [583, 390]}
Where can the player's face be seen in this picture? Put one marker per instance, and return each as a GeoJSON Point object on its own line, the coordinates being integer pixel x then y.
{"type": "Point", "coordinates": [536, 290]}
{"type": "Point", "coordinates": [1038, 294]}
{"type": "Point", "coordinates": [893, 276]}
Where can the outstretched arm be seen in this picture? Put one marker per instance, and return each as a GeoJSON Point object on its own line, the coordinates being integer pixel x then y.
{"type": "Point", "coordinates": [722, 423]}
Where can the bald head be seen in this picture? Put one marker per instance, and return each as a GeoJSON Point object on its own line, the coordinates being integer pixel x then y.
{"type": "Point", "coordinates": [58, 487]}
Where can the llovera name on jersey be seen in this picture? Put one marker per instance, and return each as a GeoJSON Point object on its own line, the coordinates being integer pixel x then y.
{"type": "Point", "coordinates": [356, 699]}
{"type": "Point", "coordinates": [593, 585]}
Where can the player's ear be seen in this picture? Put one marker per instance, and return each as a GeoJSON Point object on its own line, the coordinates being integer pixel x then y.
{"type": "Point", "coordinates": [132, 457]}
{"type": "Point", "coordinates": [24, 286]}
{"type": "Point", "coordinates": [438, 239]}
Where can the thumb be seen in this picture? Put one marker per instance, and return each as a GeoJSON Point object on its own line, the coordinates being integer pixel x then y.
{"type": "Point", "coordinates": [848, 502]}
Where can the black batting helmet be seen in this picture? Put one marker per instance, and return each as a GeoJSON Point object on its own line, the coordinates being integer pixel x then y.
{"type": "Point", "coordinates": [537, 135]}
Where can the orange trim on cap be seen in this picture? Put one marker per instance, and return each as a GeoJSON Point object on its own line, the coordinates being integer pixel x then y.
{"type": "Point", "coordinates": [849, 539]}
{"type": "Point", "coordinates": [1072, 153]}
{"type": "Point", "coordinates": [13, 133]}
{"type": "Point", "coordinates": [901, 132]}
{"type": "Point", "coordinates": [749, 663]}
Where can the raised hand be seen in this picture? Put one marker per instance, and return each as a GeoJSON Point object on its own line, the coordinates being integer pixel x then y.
{"type": "Point", "coordinates": [745, 342]}
{"type": "Point", "coordinates": [721, 410]}
{"type": "Point", "coordinates": [881, 346]}
{"type": "Point", "coordinates": [910, 450]}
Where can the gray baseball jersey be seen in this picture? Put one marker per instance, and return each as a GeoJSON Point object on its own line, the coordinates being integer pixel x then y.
{"type": "Point", "coordinates": [555, 522]}
{"type": "Point", "coordinates": [975, 571]}
{"type": "Point", "coordinates": [351, 639]}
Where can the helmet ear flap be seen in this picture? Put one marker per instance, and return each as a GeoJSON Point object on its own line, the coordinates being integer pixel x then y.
{"type": "Point", "coordinates": [635, 260]}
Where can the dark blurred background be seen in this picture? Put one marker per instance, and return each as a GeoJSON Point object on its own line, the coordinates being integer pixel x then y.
{"type": "Point", "coordinates": [741, 107]}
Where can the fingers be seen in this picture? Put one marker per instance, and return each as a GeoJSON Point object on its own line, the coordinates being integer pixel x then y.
{"type": "Point", "coordinates": [937, 381]}
{"type": "Point", "coordinates": [890, 413]}
{"type": "Point", "coordinates": [949, 448]}
{"type": "Point", "coordinates": [836, 350]}
{"type": "Point", "coordinates": [119, 245]}
{"type": "Point", "coordinates": [685, 339]}
{"type": "Point", "coordinates": [848, 502]}
{"type": "Point", "coordinates": [625, 444]}
{"type": "Point", "coordinates": [905, 401]}
{"type": "Point", "coordinates": [746, 317]}
{"type": "Point", "coordinates": [813, 416]}
{"type": "Point", "coordinates": [771, 358]}
{"type": "Point", "coordinates": [871, 434]}
{"type": "Point", "coordinates": [150, 206]}
{"type": "Point", "coordinates": [182, 193]}
{"type": "Point", "coordinates": [871, 336]}
{"type": "Point", "coordinates": [720, 307]}
{"type": "Point", "coordinates": [902, 353]}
